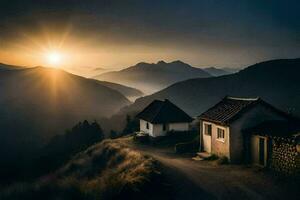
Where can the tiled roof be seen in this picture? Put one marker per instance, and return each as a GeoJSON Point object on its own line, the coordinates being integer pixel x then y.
{"type": "Point", "coordinates": [159, 112]}
{"type": "Point", "coordinates": [228, 109]}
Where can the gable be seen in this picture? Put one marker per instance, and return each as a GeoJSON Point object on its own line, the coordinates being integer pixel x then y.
{"type": "Point", "coordinates": [159, 112]}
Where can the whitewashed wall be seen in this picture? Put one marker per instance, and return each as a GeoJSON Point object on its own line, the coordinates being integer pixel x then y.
{"type": "Point", "coordinates": [156, 130]}
{"type": "Point", "coordinates": [143, 127]}
{"type": "Point", "coordinates": [179, 126]}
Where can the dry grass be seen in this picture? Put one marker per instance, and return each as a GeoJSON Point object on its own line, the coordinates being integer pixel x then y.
{"type": "Point", "coordinates": [108, 170]}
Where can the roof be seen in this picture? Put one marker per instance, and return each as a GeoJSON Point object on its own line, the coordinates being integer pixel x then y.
{"type": "Point", "coordinates": [280, 128]}
{"type": "Point", "coordinates": [159, 112]}
{"type": "Point", "coordinates": [230, 108]}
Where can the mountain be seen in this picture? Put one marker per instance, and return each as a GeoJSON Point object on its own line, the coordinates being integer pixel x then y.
{"type": "Point", "coordinates": [230, 70]}
{"type": "Point", "coordinates": [153, 77]}
{"type": "Point", "coordinates": [276, 81]}
{"type": "Point", "coordinates": [53, 96]}
{"type": "Point", "coordinates": [216, 71]}
{"type": "Point", "coordinates": [128, 92]}
{"type": "Point", "coordinates": [39, 103]}
{"type": "Point", "coordinates": [9, 67]}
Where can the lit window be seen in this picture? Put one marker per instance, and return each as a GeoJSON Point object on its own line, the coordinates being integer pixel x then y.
{"type": "Point", "coordinates": [221, 134]}
{"type": "Point", "coordinates": [207, 129]}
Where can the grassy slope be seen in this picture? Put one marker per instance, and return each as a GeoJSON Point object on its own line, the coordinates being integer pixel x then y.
{"type": "Point", "coordinates": [107, 170]}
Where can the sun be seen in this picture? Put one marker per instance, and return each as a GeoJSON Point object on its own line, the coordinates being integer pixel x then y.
{"type": "Point", "coordinates": [54, 58]}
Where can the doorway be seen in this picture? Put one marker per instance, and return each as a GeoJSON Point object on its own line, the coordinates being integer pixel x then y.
{"type": "Point", "coordinates": [261, 151]}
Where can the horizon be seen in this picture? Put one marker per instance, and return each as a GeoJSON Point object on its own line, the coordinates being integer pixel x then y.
{"type": "Point", "coordinates": [115, 35]}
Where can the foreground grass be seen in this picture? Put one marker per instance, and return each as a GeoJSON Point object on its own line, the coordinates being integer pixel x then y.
{"type": "Point", "coordinates": [108, 170]}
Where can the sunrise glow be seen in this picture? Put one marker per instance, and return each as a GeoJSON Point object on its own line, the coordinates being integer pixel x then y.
{"type": "Point", "coordinates": [54, 59]}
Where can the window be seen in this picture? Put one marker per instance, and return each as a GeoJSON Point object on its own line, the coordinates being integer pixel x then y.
{"type": "Point", "coordinates": [164, 127]}
{"type": "Point", "coordinates": [147, 125]}
{"type": "Point", "coordinates": [207, 129]}
{"type": "Point", "coordinates": [221, 134]}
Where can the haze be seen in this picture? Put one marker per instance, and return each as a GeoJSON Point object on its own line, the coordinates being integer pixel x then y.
{"type": "Point", "coordinates": [117, 34]}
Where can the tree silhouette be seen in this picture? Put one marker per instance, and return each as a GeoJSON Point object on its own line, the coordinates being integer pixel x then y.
{"type": "Point", "coordinates": [62, 147]}
{"type": "Point", "coordinates": [131, 125]}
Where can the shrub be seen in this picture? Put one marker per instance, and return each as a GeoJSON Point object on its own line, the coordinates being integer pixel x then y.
{"type": "Point", "coordinates": [222, 160]}
{"type": "Point", "coordinates": [62, 147]}
{"type": "Point", "coordinates": [174, 137]}
{"type": "Point", "coordinates": [132, 125]}
{"type": "Point", "coordinates": [143, 139]}
{"type": "Point", "coordinates": [188, 147]}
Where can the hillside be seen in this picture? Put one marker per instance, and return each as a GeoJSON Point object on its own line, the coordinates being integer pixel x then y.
{"type": "Point", "coordinates": [216, 71]}
{"type": "Point", "coordinates": [276, 81]}
{"type": "Point", "coordinates": [39, 103]}
{"type": "Point", "coordinates": [107, 170]}
{"type": "Point", "coordinates": [128, 92]}
{"type": "Point", "coordinates": [153, 77]}
{"type": "Point", "coordinates": [9, 67]}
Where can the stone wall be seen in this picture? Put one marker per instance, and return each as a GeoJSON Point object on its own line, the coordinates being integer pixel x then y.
{"type": "Point", "coordinates": [285, 156]}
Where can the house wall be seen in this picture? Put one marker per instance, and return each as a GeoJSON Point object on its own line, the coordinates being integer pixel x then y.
{"type": "Point", "coordinates": [251, 118]}
{"type": "Point", "coordinates": [156, 130]}
{"type": "Point", "coordinates": [143, 127]}
{"type": "Point", "coordinates": [179, 126]}
{"type": "Point", "coordinates": [218, 147]}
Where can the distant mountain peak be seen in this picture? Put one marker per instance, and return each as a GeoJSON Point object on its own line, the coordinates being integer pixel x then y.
{"type": "Point", "coordinates": [161, 62]}
{"type": "Point", "coordinates": [141, 64]}
{"type": "Point", "coordinates": [151, 77]}
{"type": "Point", "coordinates": [179, 62]}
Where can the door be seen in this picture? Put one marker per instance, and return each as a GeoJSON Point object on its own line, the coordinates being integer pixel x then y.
{"type": "Point", "coordinates": [207, 137]}
{"type": "Point", "coordinates": [261, 151]}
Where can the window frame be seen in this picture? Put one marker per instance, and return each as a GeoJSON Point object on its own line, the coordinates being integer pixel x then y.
{"type": "Point", "coordinates": [221, 139]}
{"type": "Point", "coordinates": [205, 129]}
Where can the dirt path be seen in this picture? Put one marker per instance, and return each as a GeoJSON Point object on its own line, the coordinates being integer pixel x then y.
{"type": "Point", "coordinates": [203, 180]}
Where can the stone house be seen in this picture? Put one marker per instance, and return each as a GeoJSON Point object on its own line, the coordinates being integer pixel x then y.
{"type": "Point", "coordinates": [223, 127]}
{"type": "Point", "coordinates": [275, 144]}
{"type": "Point", "coordinates": [160, 117]}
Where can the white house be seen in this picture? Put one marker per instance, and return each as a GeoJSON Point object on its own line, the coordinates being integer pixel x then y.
{"type": "Point", "coordinates": [223, 128]}
{"type": "Point", "coordinates": [160, 117]}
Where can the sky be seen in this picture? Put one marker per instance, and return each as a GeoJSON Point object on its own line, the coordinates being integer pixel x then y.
{"type": "Point", "coordinates": [113, 34]}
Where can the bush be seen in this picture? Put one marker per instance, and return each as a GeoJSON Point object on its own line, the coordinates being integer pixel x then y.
{"type": "Point", "coordinates": [212, 157]}
{"type": "Point", "coordinates": [132, 125]}
{"type": "Point", "coordinates": [141, 138]}
{"type": "Point", "coordinates": [188, 147]}
{"type": "Point", "coordinates": [62, 147]}
{"type": "Point", "coordinates": [222, 160]}
{"type": "Point", "coordinates": [174, 137]}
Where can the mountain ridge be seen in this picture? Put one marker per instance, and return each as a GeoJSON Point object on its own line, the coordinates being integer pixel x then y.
{"type": "Point", "coordinates": [39, 103]}
{"type": "Point", "coordinates": [275, 81]}
{"type": "Point", "coordinates": [216, 71]}
{"type": "Point", "coordinates": [151, 77]}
